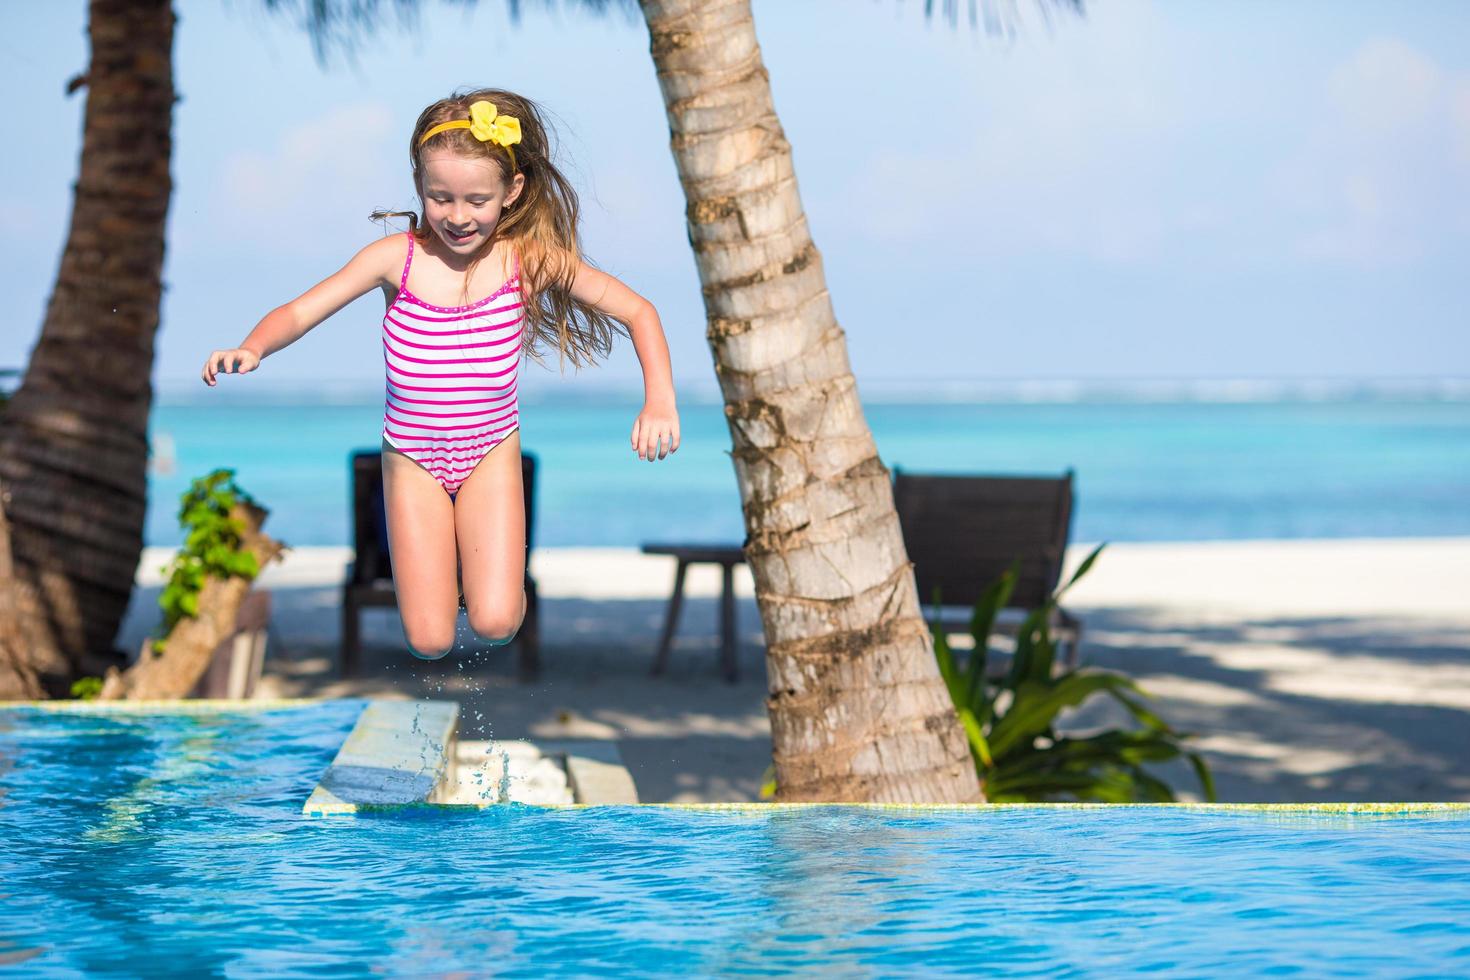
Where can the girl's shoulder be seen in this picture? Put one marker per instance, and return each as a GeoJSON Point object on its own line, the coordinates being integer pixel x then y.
{"type": "Point", "coordinates": [387, 256]}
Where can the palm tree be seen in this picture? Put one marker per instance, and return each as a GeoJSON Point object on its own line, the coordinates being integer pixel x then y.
{"type": "Point", "coordinates": [73, 444]}
{"type": "Point", "coordinates": [858, 710]}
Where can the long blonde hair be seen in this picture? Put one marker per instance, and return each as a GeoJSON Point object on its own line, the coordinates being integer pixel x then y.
{"type": "Point", "coordinates": [541, 226]}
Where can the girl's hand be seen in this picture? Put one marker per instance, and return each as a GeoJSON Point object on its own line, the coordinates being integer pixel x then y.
{"type": "Point", "coordinates": [656, 432]}
{"type": "Point", "coordinates": [238, 361]}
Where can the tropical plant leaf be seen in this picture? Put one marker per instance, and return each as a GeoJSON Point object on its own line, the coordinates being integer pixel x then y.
{"type": "Point", "coordinates": [1121, 746]}
{"type": "Point", "coordinates": [945, 658]}
{"type": "Point", "coordinates": [1106, 785]}
{"type": "Point", "coordinates": [1017, 753]}
{"type": "Point", "coordinates": [1149, 789]}
{"type": "Point", "coordinates": [1202, 771]}
{"type": "Point", "coordinates": [768, 782]}
{"type": "Point", "coordinates": [1043, 650]}
{"type": "Point", "coordinates": [1138, 711]}
{"type": "Point", "coordinates": [1036, 705]}
{"type": "Point", "coordinates": [1025, 643]}
{"type": "Point", "coordinates": [975, 735]}
{"type": "Point", "coordinates": [1081, 571]}
{"type": "Point", "coordinates": [982, 621]}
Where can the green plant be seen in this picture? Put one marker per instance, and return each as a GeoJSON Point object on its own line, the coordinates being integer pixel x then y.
{"type": "Point", "coordinates": [1010, 719]}
{"type": "Point", "coordinates": [211, 547]}
{"type": "Point", "coordinates": [768, 783]}
{"type": "Point", "coordinates": [86, 688]}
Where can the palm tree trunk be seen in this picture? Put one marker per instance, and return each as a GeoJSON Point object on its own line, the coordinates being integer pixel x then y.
{"type": "Point", "coordinates": [18, 678]}
{"type": "Point", "coordinates": [73, 444]}
{"type": "Point", "coordinates": [858, 710]}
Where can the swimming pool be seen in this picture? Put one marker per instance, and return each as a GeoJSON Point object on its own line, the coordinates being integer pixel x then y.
{"type": "Point", "coordinates": [166, 842]}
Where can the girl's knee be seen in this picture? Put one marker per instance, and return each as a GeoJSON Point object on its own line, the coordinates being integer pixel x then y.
{"type": "Point", "coordinates": [495, 626]}
{"type": "Point", "coordinates": [428, 643]}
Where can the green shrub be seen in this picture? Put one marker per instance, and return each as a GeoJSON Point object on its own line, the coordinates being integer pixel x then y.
{"type": "Point", "coordinates": [211, 547]}
{"type": "Point", "coordinates": [1018, 754]}
{"type": "Point", "coordinates": [86, 688]}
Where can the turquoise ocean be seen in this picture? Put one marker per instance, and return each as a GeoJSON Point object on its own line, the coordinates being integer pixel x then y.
{"type": "Point", "coordinates": [1148, 468]}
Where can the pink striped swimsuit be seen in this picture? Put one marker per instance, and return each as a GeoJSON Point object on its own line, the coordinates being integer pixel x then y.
{"type": "Point", "coordinates": [451, 377]}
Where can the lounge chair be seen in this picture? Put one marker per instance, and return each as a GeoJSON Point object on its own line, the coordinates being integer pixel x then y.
{"type": "Point", "coordinates": [370, 576]}
{"type": "Point", "coordinates": [963, 532]}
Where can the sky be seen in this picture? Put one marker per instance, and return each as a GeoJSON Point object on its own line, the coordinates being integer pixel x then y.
{"type": "Point", "coordinates": [1182, 190]}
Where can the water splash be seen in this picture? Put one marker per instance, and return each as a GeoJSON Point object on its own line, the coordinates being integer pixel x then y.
{"type": "Point", "coordinates": [502, 788]}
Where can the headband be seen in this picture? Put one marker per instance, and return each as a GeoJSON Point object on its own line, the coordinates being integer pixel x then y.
{"type": "Point", "coordinates": [486, 126]}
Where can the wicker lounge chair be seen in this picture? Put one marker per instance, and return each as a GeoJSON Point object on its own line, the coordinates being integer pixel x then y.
{"type": "Point", "coordinates": [370, 576]}
{"type": "Point", "coordinates": [963, 532]}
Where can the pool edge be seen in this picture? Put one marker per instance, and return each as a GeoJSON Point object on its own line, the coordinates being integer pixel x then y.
{"type": "Point", "coordinates": [438, 767]}
{"type": "Point", "coordinates": [183, 706]}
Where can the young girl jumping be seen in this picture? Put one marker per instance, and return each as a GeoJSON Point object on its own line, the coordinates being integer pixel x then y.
{"type": "Point", "coordinates": [499, 222]}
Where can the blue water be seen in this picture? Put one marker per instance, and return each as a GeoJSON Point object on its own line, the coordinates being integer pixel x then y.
{"type": "Point", "coordinates": [162, 844]}
{"type": "Point", "coordinates": [1145, 471]}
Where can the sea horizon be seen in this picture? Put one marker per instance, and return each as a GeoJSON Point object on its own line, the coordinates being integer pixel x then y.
{"type": "Point", "coordinates": [1177, 461]}
{"type": "Point", "coordinates": [542, 387]}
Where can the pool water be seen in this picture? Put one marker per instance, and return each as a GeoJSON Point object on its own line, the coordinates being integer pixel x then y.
{"type": "Point", "coordinates": [162, 843]}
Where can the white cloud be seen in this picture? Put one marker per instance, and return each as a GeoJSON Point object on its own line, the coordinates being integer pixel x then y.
{"type": "Point", "coordinates": [1129, 153]}
{"type": "Point", "coordinates": [1377, 177]}
{"type": "Point", "coordinates": [1058, 151]}
{"type": "Point", "coordinates": [1460, 120]}
{"type": "Point", "coordinates": [1385, 88]}
{"type": "Point", "coordinates": [326, 171]}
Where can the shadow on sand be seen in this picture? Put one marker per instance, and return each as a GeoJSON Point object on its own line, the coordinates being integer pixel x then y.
{"type": "Point", "coordinates": [1286, 709]}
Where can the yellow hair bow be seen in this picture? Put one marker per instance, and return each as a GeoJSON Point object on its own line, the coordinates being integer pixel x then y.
{"type": "Point", "coordinates": [485, 125]}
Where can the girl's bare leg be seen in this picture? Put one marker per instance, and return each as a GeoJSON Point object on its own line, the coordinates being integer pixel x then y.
{"type": "Point", "coordinates": [490, 523]}
{"type": "Point", "coordinates": [421, 539]}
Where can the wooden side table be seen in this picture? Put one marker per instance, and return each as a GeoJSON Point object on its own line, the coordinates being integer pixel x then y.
{"type": "Point", "coordinates": [727, 557]}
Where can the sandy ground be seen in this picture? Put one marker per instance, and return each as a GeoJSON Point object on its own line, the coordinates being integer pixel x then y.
{"type": "Point", "coordinates": [1309, 670]}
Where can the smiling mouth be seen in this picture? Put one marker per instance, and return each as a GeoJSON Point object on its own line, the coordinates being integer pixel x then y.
{"type": "Point", "coordinates": [458, 237]}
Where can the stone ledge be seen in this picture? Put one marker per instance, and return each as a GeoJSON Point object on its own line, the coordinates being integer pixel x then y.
{"type": "Point", "coordinates": [514, 771]}
{"type": "Point", "coordinates": [556, 773]}
{"type": "Point", "coordinates": [595, 771]}
{"type": "Point", "coordinates": [399, 752]}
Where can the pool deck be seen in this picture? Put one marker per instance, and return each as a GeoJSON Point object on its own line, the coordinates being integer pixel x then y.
{"type": "Point", "coordinates": [409, 752]}
{"type": "Point", "coordinates": [1312, 671]}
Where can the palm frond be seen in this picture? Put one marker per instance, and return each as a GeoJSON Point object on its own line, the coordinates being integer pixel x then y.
{"type": "Point", "coordinates": [341, 25]}
{"type": "Point", "coordinates": [997, 17]}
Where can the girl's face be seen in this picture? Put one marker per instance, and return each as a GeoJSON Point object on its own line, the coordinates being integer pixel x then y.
{"type": "Point", "coordinates": [463, 199]}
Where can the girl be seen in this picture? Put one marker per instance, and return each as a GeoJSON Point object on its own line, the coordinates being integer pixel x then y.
{"type": "Point", "coordinates": [499, 222]}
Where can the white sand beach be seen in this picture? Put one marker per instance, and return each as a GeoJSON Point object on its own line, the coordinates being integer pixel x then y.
{"type": "Point", "coordinates": [1317, 670]}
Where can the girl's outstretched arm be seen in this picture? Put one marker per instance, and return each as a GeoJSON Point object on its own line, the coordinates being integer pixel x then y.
{"type": "Point", "coordinates": [372, 267]}
{"type": "Point", "coordinates": [656, 430]}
